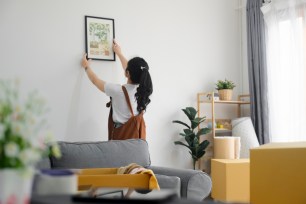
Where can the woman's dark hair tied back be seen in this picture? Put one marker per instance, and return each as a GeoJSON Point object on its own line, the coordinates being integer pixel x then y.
{"type": "Point", "coordinates": [138, 69]}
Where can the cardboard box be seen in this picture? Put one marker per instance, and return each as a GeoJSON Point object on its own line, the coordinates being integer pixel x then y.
{"type": "Point", "coordinates": [231, 180]}
{"type": "Point", "coordinates": [278, 173]}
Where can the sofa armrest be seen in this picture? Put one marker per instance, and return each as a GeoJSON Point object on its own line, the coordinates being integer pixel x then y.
{"type": "Point", "coordinates": [169, 182]}
{"type": "Point", "coordinates": [195, 184]}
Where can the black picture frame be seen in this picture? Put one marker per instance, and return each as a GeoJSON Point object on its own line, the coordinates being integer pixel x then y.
{"type": "Point", "coordinates": [99, 36]}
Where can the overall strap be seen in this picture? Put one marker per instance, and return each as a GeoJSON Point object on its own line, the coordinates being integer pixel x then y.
{"type": "Point", "coordinates": [127, 98]}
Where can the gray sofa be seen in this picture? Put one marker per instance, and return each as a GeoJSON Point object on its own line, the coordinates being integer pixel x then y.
{"type": "Point", "coordinates": [188, 183]}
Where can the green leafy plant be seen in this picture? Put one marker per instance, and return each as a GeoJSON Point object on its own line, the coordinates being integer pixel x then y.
{"type": "Point", "coordinates": [226, 84]}
{"type": "Point", "coordinates": [23, 138]}
{"type": "Point", "coordinates": [191, 136]}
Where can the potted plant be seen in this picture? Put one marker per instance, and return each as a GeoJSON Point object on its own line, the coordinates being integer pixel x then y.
{"type": "Point", "coordinates": [23, 141]}
{"type": "Point", "coordinates": [225, 89]}
{"type": "Point", "coordinates": [191, 136]}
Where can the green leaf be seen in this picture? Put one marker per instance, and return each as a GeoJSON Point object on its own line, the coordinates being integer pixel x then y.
{"type": "Point", "coordinates": [181, 143]}
{"type": "Point", "coordinates": [199, 120]}
{"type": "Point", "coordinates": [187, 113]}
{"type": "Point", "coordinates": [203, 145]}
{"type": "Point", "coordinates": [194, 125]}
{"type": "Point", "coordinates": [189, 139]}
{"type": "Point", "coordinates": [195, 122]}
{"type": "Point", "coordinates": [180, 122]}
{"type": "Point", "coordinates": [190, 112]}
{"type": "Point", "coordinates": [182, 134]}
{"type": "Point", "coordinates": [188, 132]}
{"type": "Point", "coordinates": [200, 154]}
{"type": "Point", "coordinates": [203, 131]}
{"type": "Point", "coordinates": [196, 142]}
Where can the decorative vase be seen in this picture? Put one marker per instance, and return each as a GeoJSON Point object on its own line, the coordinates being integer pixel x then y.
{"type": "Point", "coordinates": [16, 185]}
{"type": "Point", "coordinates": [55, 182]}
{"type": "Point", "coordinates": [225, 94]}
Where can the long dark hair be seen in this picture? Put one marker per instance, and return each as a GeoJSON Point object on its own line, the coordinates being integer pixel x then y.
{"type": "Point", "coordinates": [138, 69]}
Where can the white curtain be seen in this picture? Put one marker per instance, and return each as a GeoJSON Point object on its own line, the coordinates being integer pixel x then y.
{"type": "Point", "coordinates": [285, 22]}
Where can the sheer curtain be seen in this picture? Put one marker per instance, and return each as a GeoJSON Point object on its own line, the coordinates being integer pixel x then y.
{"type": "Point", "coordinates": [285, 22]}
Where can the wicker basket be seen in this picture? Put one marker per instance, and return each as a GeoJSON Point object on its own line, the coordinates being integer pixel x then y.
{"type": "Point", "coordinates": [225, 94]}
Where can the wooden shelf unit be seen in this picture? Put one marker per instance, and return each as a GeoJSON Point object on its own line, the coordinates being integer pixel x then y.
{"type": "Point", "coordinates": [241, 101]}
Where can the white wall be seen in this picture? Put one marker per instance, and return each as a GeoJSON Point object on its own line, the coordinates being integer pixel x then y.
{"type": "Point", "coordinates": [244, 84]}
{"type": "Point", "coordinates": [189, 45]}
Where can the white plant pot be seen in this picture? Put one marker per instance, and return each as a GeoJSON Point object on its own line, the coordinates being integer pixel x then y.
{"type": "Point", "coordinates": [56, 182]}
{"type": "Point", "coordinates": [16, 185]}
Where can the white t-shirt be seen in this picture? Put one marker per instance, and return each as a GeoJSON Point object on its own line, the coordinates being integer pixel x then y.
{"type": "Point", "coordinates": [121, 111]}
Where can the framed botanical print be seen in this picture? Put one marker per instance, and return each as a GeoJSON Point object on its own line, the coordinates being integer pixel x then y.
{"type": "Point", "coordinates": [99, 36]}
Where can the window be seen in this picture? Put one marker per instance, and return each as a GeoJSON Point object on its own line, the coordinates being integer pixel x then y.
{"type": "Point", "coordinates": [286, 48]}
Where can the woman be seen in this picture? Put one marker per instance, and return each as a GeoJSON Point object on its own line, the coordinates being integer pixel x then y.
{"type": "Point", "coordinates": [128, 101]}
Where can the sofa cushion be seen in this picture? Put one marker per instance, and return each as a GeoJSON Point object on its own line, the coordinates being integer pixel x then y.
{"type": "Point", "coordinates": [114, 153]}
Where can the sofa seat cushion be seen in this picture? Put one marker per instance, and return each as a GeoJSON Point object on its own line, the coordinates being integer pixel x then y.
{"type": "Point", "coordinates": [115, 153]}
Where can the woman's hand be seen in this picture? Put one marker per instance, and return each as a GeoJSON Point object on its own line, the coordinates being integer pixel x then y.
{"type": "Point", "coordinates": [99, 83]}
{"type": "Point", "coordinates": [85, 62]}
{"type": "Point", "coordinates": [116, 48]}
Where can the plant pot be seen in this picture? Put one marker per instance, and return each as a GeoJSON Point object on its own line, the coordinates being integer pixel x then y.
{"type": "Point", "coordinates": [225, 94]}
{"type": "Point", "coordinates": [16, 185]}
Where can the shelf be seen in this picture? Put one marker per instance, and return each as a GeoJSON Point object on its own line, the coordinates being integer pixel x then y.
{"type": "Point", "coordinates": [236, 102]}
{"type": "Point", "coordinates": [209, 102]}
{"type": "Point", "coordinates": [208, 99]}
{"type": "Point", "coordinates": [226, 102]}
{"type": "Point", "coordinates": [222, 130]}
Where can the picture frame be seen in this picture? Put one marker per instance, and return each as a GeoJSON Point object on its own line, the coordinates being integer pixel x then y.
{"type": "Point", "coordinates": [99, 36]}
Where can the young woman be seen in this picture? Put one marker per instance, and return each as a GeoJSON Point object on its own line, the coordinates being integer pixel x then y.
{"type": "Point", "coordinates": [128, 101]}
